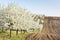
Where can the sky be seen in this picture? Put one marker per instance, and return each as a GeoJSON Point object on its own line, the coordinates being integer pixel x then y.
{"type": "Point", "coordinates": [46, 7]}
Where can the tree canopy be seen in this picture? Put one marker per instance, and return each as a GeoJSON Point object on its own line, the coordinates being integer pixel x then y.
{"type": "Point", "coordinates": [19, 17]}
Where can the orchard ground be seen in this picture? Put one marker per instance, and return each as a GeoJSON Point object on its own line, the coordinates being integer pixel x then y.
{"type": "Point", "coordinates": [5, 35]}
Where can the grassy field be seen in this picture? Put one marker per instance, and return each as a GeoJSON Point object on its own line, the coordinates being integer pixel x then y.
{"type": "Point", "coordinates": [6, 35]}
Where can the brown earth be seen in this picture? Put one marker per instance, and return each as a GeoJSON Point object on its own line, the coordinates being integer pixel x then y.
{"type": "Point", "coordinates": [50, 31]}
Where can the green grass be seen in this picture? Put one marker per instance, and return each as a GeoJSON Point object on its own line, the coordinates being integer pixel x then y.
{"type": "Point", "coordinates": [20, 36]}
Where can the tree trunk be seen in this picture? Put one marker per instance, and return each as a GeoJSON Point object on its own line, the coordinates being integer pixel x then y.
{"type": "Point", "coordinates": [17, 32]}
{"type": "Point", "coordinates": [2, 29]}
{"type": "Point", "coordinates": [10, 32]}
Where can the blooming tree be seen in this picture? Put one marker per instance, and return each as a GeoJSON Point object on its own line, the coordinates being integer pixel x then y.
{"type": "Point", "coordinates": [19, 18]}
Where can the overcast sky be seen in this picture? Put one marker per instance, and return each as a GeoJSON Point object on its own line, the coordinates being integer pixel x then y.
{"type": "Point", "coordinates": [47, 7]}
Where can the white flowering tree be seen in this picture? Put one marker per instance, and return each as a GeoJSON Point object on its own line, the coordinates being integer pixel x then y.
{"type": "Point", "coordinates": [15, 17]}
{"type": "Point", "coordinates": [2, 18]}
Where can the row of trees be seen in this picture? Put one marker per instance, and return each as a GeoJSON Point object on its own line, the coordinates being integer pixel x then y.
{"type": "Point", "coordinates": [14, 17]}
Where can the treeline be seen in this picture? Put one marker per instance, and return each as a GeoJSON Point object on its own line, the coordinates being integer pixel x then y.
{"type": "Point", "coordinates": [13, 17]}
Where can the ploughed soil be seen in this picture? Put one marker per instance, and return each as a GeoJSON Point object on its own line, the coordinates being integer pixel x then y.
{"type": "Point", "coordinates": [50, 31]}
{"type": "Point", "coordinates": [43, 36]}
